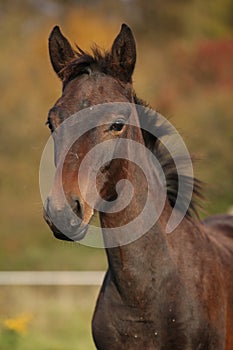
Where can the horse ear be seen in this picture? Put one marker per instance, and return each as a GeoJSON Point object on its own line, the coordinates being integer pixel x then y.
{"type": "Point", "coordinates": [60, 50]}
{"type": "Point", "coordinates": [124, 53]}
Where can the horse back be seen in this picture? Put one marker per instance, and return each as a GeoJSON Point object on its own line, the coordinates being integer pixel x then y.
{"type": "Point", "coordinates": [222, 222]}
{"type": "Point", "coordinates": [220, 231]}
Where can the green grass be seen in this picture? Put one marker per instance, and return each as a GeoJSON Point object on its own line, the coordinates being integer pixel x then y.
{"type": "Point", "coordinates": [59, 317]}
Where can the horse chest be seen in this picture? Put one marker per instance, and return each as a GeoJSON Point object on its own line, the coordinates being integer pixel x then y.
{"type": "Point", "coordinates": [116, 330]}
{"type": "Point", "coordinates": [118, 326]}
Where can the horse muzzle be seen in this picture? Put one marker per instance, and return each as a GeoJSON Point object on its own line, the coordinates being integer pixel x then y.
{"type": "Point", "coordinates": [65, 223]}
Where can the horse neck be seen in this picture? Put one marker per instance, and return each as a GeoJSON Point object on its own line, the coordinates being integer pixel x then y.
{"type": "Point", "coordinates": [147, 257]}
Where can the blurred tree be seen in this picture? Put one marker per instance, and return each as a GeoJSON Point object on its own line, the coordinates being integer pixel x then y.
{"type": "Point", "coordinates": [162, 18]}
{"type": "Point", "coordinates": [181, 18]}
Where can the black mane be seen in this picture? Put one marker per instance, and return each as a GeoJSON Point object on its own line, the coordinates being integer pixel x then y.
{"type": "Point", "coordinates": [84, 63]}
{"type": "Point", "coordinates": [150, 120]}
{"type": "Point", "coordinates": [99, 60]}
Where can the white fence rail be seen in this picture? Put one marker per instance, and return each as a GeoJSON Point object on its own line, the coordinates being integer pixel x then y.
{"type": "Point", "coordinates": [48, 278]}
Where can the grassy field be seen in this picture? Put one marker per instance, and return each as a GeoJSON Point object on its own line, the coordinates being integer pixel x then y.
{"type": "Point", "coordinates": [182, 79]}
{"type": "Point", "coordinates": [44, 318]}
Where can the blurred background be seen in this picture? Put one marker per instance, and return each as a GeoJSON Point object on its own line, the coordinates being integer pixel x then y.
{"type": "Point", "coordinates": [184, 70]}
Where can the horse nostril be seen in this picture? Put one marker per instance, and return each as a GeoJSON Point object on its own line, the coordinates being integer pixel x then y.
{"type": "Point", "coordinates": [77, 206]}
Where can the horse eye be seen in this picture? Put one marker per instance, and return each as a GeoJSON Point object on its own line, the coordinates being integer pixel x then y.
{"type": "Point", "coordinates": [117, 126]}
